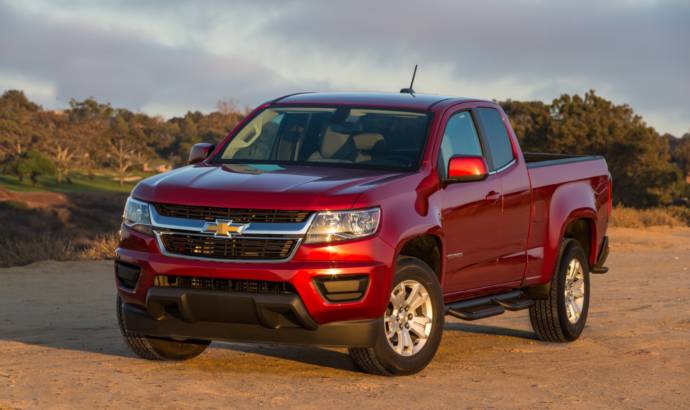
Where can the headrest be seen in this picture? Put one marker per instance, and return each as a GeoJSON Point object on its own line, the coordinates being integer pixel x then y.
{"type": "Point", "coordinates": [366, 140]}
{"type": "Point", "coordinates": [332, 142]}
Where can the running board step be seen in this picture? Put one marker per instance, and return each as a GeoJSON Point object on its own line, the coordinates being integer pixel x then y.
{"type": "Point", "coordinates": [515, 304]}
{"type": "Point", "coordinates": [487, 306]}
{"type": "Point", "coordinates": [480, 312]}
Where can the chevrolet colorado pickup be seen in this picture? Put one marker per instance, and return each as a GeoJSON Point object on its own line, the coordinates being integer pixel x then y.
{"type": "Point", "coordinates": [360, 220]}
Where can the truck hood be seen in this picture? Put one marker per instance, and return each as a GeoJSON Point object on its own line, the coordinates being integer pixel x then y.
{"type": "Point", "coordinates": [263, 186]}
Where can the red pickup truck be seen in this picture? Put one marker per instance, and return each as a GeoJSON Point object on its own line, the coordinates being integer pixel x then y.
{"type": "Point", "coordinates": [360, 220]}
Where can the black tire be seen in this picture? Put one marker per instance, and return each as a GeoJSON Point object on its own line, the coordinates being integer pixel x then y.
{"type": "Point", "coordinates": [548, 316]}
{"type": "Point", "coordinates": [382, 359]}
{"type": "Point", "coordinates": [159, 349]}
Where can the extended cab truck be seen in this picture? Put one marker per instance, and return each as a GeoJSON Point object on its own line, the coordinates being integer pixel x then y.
{"type": "Point", "coordinates": [360, 220]}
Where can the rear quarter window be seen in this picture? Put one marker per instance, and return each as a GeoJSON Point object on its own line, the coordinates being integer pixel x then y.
{"type": "Point", "coordinates": [496, 137]}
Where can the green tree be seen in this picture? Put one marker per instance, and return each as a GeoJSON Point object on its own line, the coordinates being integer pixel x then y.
{"type": "Point", "coordinates": [32, 164]}
{"type": "Point", "coordinates": [680, 155]}
{"type": "Point", "coordinates": [638, 158]}
{"type": "Point", "coordinates": [16, 128]}
{"type": "Point", "coordinates": [680, 152]}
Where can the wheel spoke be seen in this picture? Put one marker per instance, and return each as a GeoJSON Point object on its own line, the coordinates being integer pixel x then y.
{"type": "Point", "coordinates": [573, 312]}
{"type": "Point", "coordinates": [413, 294]}
{"type": "Point", "coordinates": [419, 328]}
{"type": "Point", "coordinates": [578, 292]}
{"type": "Point", "coordinates": [399, 348]}
{"type": "Point", "coordinates": [398, 298]}
{"type": "Point", "coordinates": [421, 299]}
{"type": "Point", "coordinates": [407, 340]}
{"type": "Point", "coordinates": [390, 326]}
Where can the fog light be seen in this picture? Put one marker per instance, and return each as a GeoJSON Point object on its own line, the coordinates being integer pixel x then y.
{"type": "Point", "coordinates": [342, 288]}
{"type": "Point", "coordinates": [127, 275]}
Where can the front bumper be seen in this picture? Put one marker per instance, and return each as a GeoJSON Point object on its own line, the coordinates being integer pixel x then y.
{"type": "Point", "coordinates": [372, 258]}
{"type": "Point", "coordinates": [232, 316]}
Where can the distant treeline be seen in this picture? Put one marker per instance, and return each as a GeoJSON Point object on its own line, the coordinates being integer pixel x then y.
{"type": "Point", "coordinates": [648, 169]}
{"type": "Point", "coordinates": [92, 136]}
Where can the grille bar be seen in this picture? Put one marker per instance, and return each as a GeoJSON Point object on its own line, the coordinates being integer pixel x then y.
{"type": "Point", "coordinates": [227, 285]}
{"type": "Point", "coordinates": [242, 248]}
{"type": "Point", "coordinates": [236, 215]}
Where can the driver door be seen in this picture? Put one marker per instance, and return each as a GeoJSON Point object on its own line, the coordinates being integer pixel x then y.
{"type": "Point", "coordinates": [471, 213]}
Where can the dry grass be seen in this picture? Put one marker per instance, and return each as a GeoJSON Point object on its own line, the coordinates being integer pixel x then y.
{"type": "Point", "coordinates": [82, 226]}
{"type": "Point", "coordinates": [53, 247]}
{"type": "Point", "coordinates": [642, 218]}
{"type": "Point", "coordinates": [103, 247]}
{"type": "Point", "coordinates": [41, 247]}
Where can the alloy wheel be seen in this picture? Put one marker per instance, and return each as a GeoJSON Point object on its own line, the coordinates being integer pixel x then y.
{"type": "Point", "coordinates": [574, 291]}
{"type": "Point", "coordinates": [408, 318]}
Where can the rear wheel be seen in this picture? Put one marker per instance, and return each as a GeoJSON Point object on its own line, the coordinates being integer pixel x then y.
{"type": "Point", "coordinates": [412, 325]}
{"type": "Point", "coordinates": [157, 348]}
{"type": "Point", "coordinates": [562, 316]}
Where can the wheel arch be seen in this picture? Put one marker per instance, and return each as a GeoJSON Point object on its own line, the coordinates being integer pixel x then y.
{"type": "Point", "coordinates": [572, 214]}
{"type": "Point", "coordinates": [426, 247]}
{"type": "Point", "coordinates": [584, 231]}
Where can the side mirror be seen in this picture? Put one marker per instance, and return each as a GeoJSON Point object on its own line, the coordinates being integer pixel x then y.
{"type": "Point", "coordinates": [200, 152]}
{"type": "Point", "coordinates": [466, 168]}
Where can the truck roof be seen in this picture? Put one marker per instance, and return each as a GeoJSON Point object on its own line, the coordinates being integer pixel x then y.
{"type": "Point", "coordinates": [388, 100]}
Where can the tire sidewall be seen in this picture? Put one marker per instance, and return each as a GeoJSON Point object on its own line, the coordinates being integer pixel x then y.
{"type": "Point", "coordinates": [572, 250]}
{"type": "Point", "coordinates": [414, 269]}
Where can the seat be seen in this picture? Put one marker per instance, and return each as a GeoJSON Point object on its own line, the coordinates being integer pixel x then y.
{"type": "Point", "coordinates": [365, 143]}
{"type": "Point", "coordinates": [335, 147]}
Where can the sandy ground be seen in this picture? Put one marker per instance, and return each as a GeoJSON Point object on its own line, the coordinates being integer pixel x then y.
{"type": "Point", "coordinates": [60, 348]}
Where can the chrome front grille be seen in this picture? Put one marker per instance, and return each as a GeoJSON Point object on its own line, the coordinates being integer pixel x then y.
{"type": "Point", "coordinates": [261, 236]}
{"type": "Point", "coordinates": [245, 248]}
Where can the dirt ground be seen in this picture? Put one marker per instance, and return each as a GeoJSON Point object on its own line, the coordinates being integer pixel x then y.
{"type": "Point", "coordinates": [60, 348]}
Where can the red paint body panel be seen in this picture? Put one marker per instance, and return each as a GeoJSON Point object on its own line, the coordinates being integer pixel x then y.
{"type": "Point", "coordinates": [497, 234]}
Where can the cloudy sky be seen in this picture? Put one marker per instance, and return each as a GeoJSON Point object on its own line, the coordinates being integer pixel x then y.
{"type": "Point", "coordinates": [171, 56]}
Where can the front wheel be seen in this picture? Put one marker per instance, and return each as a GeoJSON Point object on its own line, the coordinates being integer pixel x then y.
{"type": "Point", "coordinates": [412, 324]}
{"type": "Point", "coordinates": [158, 349]}
{"type": "Point", "coordinates": [562, 316]}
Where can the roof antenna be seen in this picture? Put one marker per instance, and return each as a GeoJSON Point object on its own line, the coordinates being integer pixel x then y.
{"type": "Point", "coordinates": [410, 90]}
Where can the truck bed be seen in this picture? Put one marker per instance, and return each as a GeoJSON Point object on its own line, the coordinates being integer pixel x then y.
{"type": "Point", "coordinates": [563, 179]}
{"type": "Point", "coordinates": [554, 169]}
{"type": "Point", "coordinates": [542, 159]}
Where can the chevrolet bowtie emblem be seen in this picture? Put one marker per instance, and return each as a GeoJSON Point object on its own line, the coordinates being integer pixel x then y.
{"type": "Point", "coordinates": [224, 228]}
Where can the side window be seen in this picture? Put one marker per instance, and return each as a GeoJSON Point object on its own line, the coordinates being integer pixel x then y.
{"type": "Point", "coordinates": [496, 137]}
{"type": "Point", "coordinates": [459, 138]}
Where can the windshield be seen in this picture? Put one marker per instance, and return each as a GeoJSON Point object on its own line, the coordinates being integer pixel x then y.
{"type": "Point", "coordinates": [355, 137]}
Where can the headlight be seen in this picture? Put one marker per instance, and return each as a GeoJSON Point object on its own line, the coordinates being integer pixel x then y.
{"type": "Point", "coordinates": [137, 215]}
{"type": "Point", "coordinates": [341, 225]}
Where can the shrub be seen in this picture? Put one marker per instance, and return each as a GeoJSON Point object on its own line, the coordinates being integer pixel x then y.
{"type": "Point", "coordinates": [641, 218]}
{"type": "Point", "coordinates": [32, 164]}
{"type": "Point", "coordinates": [103, 247]}
{"type": "Point", "coordinates": [41, 247]}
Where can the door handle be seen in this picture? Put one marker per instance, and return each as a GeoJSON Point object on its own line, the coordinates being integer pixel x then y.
{"type": "Point", "coordinates": [492, 197]}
